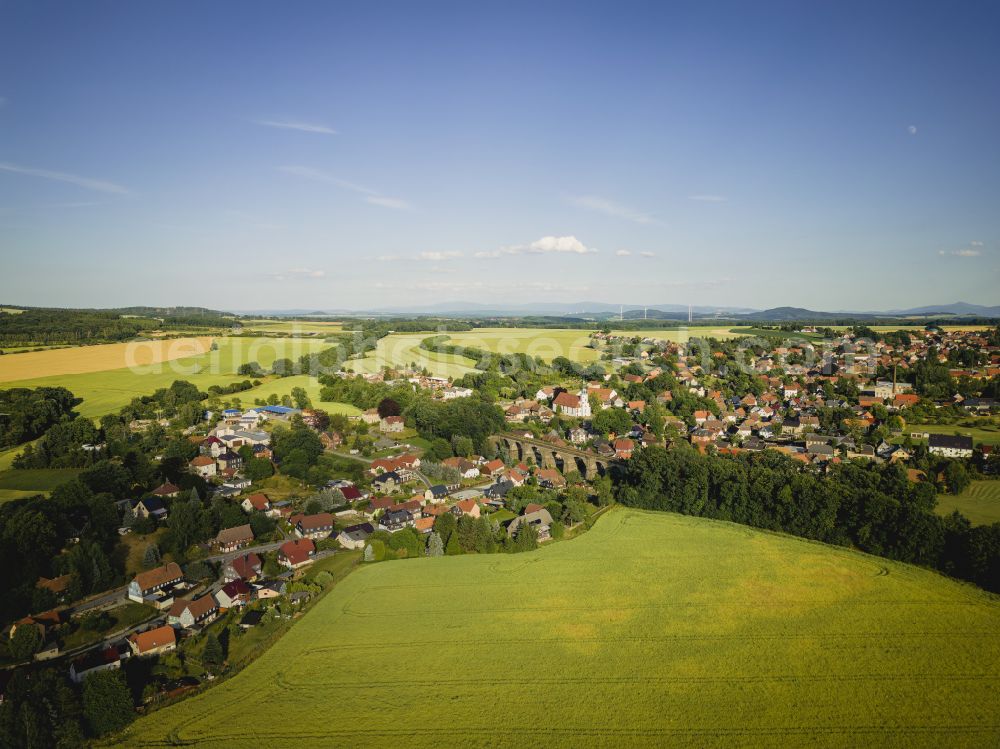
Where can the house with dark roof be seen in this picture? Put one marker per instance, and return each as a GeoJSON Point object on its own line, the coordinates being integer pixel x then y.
{"type": "Point", "coordinates": [950, 445]}
{"type": "Point", "coordinates": [280, 412]}
{"type": "Point", "coordinates": [387, 483]}
{"type": "Point", "coordinates": [499, 489]}
{"type": "Point", "coordinates": [102, 659]}
{"type": "Point", "coordinates": [437, 493]}
{"type": "Point", "coordinates": [234, 594]}
{"type": "Point", "coordinates": [395, 519]}
{"type": "Point", "coordinates": [150, 507]}
{"type": "Point", "coordinates": [251, 619]}
{"type": "Point", "coordinates": [355, 536]}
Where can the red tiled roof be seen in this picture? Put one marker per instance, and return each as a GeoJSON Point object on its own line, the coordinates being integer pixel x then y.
{"type": "Point", "coordinates": [154, 638]}
{"type": "Point", "coordinates": [160, 576]}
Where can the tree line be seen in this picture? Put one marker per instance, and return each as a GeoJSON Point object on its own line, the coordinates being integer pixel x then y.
{"type": "Point", "coordinates": [874, 508]}
{"type": "Point", "coordinates": [68, 326]}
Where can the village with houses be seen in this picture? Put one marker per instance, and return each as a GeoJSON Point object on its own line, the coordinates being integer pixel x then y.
{"type": "Point", "coordinates": [539, 467]}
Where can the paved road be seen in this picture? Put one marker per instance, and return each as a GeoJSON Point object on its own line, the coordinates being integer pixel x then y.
{"type": "Point", "coordinates": [160, 619]}
{"type": "Point", "coordinates": [119, 595]}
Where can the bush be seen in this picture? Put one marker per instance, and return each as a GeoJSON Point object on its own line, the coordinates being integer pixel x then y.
{"type": "Point", "coordinates": [323, 579]}
{"type": "Point", "coordinates": [27, 641]}
{"type": "Point", "coordinates": [107, 702]}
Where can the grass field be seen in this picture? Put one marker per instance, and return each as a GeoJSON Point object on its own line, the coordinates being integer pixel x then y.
{"type": "Point", "coordinates": [988, 432]}
{"type": "Point", "coordinates": [403, 349]}
{"type": "Point", "coordinates": [283, 386]}
{"type": "Point", "coordinates": [15, 484]}
{"type": "Point", "coordinates": [547, 343]}
{"type": "Point", "coordinates": [81, 359]}
{"type": "Point", "coordinates": [122, 617]}
{"type": "Point", "coordinates": [651, 629]}
{"type": "Point", "coordinates": [107, 391]}
{"type": "Point", "coordinates": [980, 503]}
{"type": "Point", "coordinates": [7, 457]}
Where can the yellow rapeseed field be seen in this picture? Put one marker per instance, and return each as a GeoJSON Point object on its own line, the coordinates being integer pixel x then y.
{"type": "Point", "coordinates": [81, 359]}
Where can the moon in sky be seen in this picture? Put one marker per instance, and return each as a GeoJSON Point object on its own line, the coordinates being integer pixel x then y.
{"type": "Point", "coordinates": [912, 129]}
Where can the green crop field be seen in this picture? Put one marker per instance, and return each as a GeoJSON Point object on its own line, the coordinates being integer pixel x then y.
{"type": "Point", "coordinates": [106, 391]}
{"type": "Point", "coordinates": [980, 503]}
{"type": "Point", "coordinates": [651, 629]}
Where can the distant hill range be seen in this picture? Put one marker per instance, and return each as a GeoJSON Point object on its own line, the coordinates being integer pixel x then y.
{"type": "Point", "coordinates": [602, 311]}
{"type": "Point", "coordinates": [576, 311]}
{"type": "Point", "coordinates": [134, 311]}
{"type": "Point", "coordinates": [958, 308]}
{"type": "Point", "coordinates": [168, 311]}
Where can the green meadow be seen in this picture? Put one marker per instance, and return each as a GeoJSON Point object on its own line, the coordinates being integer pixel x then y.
{"type": "Point", "coordinates": [403, 349]}
{"type": "Point", "coordinates": [649, 630]}
{"type": "Point", "coordinates": [985, 430]}
{"type": "Point", "coordinates": [980, 503]}
{"type": "Point", "coordinates": [283, 386]}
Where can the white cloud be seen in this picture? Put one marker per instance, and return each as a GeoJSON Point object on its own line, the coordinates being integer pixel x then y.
{"type": "Point", "coordinates": [976, 243]}
{"type": "Point", "coordinates": [709, 198]}
{"type": "Point", "coordinates": [300, 274]}
{"type": "Point", "coordinates": [371, 196]}
{"type": "Point", "coordinates": [559, 244]}
{"type": "Point", "coordinates": [647, 254]}
{"type": "Point", "coordinates": [964, 252]}
{"type": "Point", "coordinates": [437, 256]}
{"type": "Point", "coordinates": [622, 253]}
{"type": "Point", "coordinates": [611, 208]}
{"type": "Point", "coordinates": [912, 129]}
{"type": "Point", "coordinates": [541, 246]}
{"type": "Point", "coordinates": [73, 179]}
{"type": "Point", "coordinates": [304, 127]}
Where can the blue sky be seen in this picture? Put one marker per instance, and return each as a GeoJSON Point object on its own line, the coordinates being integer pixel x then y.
{"type": "Point", "coordinates": [327, 155]}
